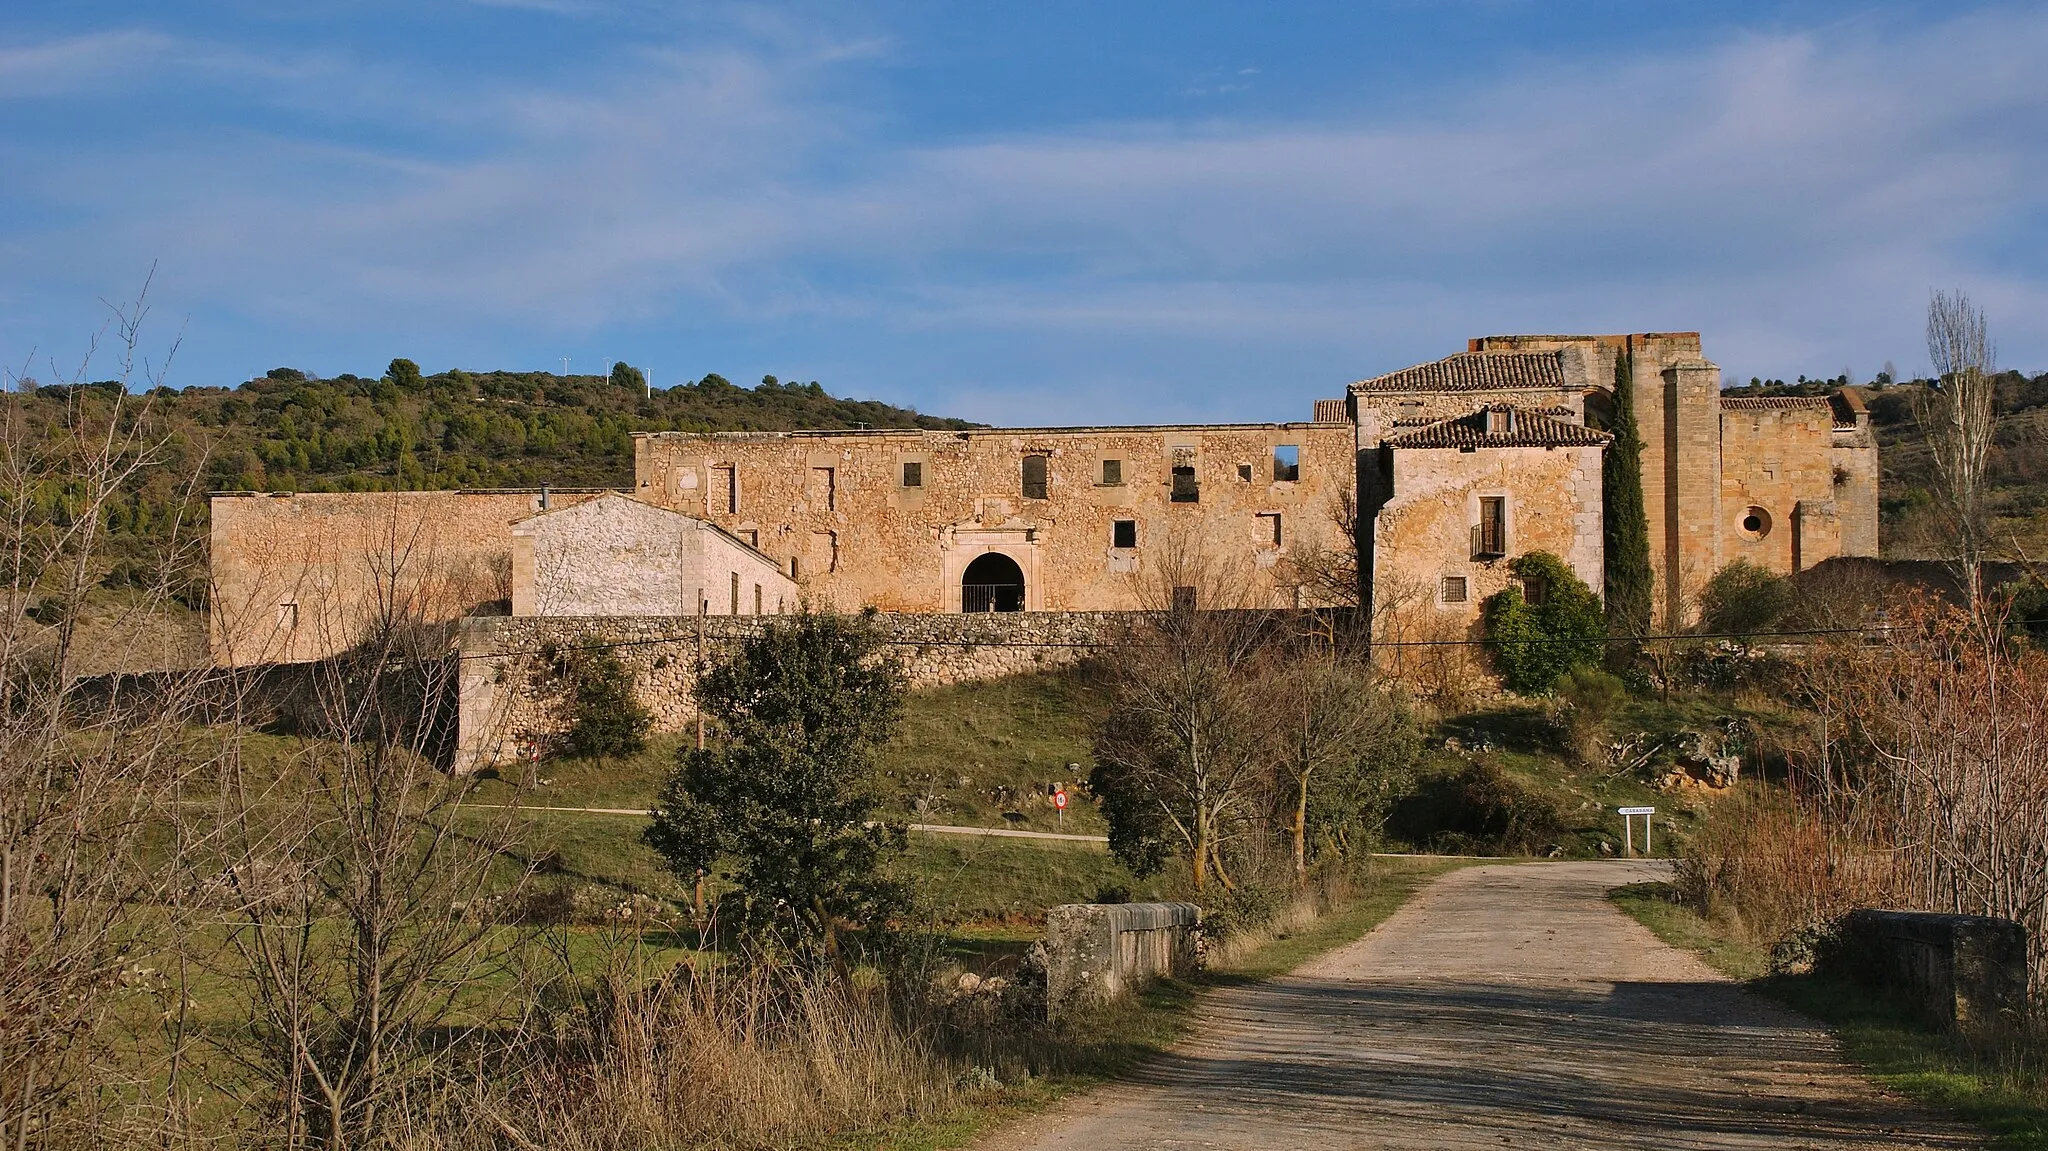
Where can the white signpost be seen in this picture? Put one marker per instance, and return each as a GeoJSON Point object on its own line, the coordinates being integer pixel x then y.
{"type": "Point", "coordinates": [1628, 815]}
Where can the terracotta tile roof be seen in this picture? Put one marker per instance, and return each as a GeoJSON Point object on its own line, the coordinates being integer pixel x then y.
{"type": "Point", "coordinates": [1530, 430]}
{"type": "Point", "coordinates": [1331, 412]}
{"type": "Point", "coordinates": [1474, 372]}
{"type": "Point", "coordinates": [1848, 404]}
{"type": "Point", "coordinates": [1771, 403]}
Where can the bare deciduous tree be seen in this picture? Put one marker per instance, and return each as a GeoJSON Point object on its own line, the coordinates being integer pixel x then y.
{"type": "Point", "coordinates": [1959, 417]}
{"type": "Point", "coordinates": [87, 766]}
{"type": "Point", "coordinates": [1184, 749]}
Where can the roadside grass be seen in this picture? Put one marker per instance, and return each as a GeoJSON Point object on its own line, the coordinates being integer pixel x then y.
{"type": "Point", "coordinates": [975, 755]}
{"type": "Point", "coordinates": [2001, 1088]}
{"type": "Point", "coordinates": [1111, 1041]}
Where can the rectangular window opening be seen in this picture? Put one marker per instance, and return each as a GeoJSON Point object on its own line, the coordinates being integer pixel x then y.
{"type": "Point", "coordinates": [1287, 462]}
{"type": "Point", "coordinates": [725, 491]}
{"type": "Point", "coordinates": [735, 594]}
{"type": "Point", "coordinates": [757, 599]}
{"type": "Point", "coordinates": [795, 567]}
{"type": "Point", "coordinates": [1186, 488]}
{"type": "Point", "coordinates": [1269, 528]}
{"type": "Point", "coordinates": [1034, 477]}
{"type": "Point", "coordinates": [1453, 589]}
{"type": "Point", "coordinates": [1112, 473]}
{"type": "Point", "coordinates": [752, 536]}
{"type": "Point", "coordinates": [825, 487]}
{"type": "Point", "coordinates": [1123, 533]}
{"type": "Point", "coordinates": [913, 474]}
{"type": "Point", "coordinates": [1244, 472]}
{"type": "Point", "coordinates": [287, 615]}
{"type": "Point", "coordinates": [1535, 591]}
{"type": "Point", "coordinates": [1490, 534]}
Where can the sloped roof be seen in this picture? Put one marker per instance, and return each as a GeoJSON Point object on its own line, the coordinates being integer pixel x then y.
{"type": "Point", "coordinates": [1847, 404]}
{"type": "Point", "coordinates": [1331, 412]}
{"type": "Point", "coordinates": [1530, 431]}
{"type": "Point", "coordinates": [1771, 403]}
{"type": "Point", "coordinates": [1474, 372]}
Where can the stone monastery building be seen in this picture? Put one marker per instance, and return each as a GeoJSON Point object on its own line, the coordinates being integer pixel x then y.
{"type": "Point", "coordinates": [1453, 468]}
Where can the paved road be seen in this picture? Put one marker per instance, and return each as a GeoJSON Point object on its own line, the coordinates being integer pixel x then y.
{"type": "Point", "coordinates": [1502, 1007]}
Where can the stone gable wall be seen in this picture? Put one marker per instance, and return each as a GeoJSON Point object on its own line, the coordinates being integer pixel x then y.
{"type": "Point", "coordinates": [621, 557]}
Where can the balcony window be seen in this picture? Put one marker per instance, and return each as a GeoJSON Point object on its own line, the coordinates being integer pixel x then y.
{"type": "Point", "coordinates": [1490, 534]}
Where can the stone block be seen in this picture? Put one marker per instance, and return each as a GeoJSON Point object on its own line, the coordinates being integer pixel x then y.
{"type": "Point", "coordinates": [1961, 972]}
{"type": "Point", "coordinates": [1100, 952]}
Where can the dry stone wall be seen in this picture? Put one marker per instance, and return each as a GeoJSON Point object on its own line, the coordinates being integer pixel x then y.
{"type": "Point", "coordinates": [511, 697]}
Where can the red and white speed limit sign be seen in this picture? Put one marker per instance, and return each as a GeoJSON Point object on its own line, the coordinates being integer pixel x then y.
{"type": "Point", "coordinates": [1059, 800]}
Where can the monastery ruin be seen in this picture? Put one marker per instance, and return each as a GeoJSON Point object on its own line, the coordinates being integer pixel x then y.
{"type": "Point", "coordinates": [1449, 470]}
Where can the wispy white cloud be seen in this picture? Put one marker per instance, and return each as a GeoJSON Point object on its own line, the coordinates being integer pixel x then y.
{"type": "Point", "coordinates": [72, 64]}
{"type": "Point", "coordinates": [1794, 195]}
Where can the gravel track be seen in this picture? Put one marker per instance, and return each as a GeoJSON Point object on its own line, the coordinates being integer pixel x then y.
{"type": "Point", "coordinates": [1502, 1006]}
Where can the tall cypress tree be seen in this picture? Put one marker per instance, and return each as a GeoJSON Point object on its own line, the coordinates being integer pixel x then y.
{"type": "Point", "coordinates": [1626, 527]}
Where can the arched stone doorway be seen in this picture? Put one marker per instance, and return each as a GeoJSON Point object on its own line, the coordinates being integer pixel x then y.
{"type": "Point", "coordinates": [993, 582]}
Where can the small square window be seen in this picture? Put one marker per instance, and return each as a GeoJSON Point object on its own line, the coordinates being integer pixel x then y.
{"type": "Point", "coordinates": [1453, 589]}
{"type": "Point", "coordinates": [1287, 462]}
{"type": "Point", "coordinates": [1535, 591]}
{"type": "Point", "coordinates": [913, 474]}
{"type": "Point", "coordinates": [1123, 533]}
{"type": "Point", "coordinates": [1112, 473]}
{"type": "Point", "coordinates": [1244, 472]}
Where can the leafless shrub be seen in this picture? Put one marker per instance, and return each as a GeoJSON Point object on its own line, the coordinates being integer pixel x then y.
{"type": "Point", "coordinates": [86, 775]}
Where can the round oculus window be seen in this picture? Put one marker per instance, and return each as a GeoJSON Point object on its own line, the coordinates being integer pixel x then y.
{"type": "Point", "coordinates": [1755, 523]}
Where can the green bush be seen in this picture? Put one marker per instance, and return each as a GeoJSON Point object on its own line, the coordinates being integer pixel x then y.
{"type": "Point", "coordinates": [604, 718]}
{"type": "Point", "coordinates": [1481, 810]}
{"type": "Point", "coordinates": [1535, 644]}
{"type": "Point", "coordinates": [1744, 599]}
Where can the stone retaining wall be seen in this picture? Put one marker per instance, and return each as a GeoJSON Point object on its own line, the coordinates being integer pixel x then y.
{"type": "Point", "coordinates": [1965, 972]}
{"type": "Point", "coordinates": [1098, 952]}
{"type": "Point", "coordinates": [511, 698]}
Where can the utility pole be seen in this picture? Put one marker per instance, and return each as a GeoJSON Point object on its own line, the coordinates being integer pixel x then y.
{"type": "Point", "coordinates": [703, 605]}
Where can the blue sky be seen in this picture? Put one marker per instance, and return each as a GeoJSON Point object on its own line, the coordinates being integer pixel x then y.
{"type": "Point", "coordinates": [1048, 212]}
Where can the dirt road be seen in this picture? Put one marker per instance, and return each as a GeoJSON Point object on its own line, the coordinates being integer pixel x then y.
{"type": "Point", "coordinates": [1502, 1007]}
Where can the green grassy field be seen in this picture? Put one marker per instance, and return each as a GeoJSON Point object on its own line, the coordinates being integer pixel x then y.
{"type": "Point", "coordinates": [2000, 1087]}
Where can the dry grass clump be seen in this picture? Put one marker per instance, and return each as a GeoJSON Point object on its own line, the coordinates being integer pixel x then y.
{"type": "Point", "coordinates": [758, 1057]}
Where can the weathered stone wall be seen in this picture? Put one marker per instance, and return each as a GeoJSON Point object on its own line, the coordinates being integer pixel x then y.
{"type": "Point", "coordinates": [1098, 952]}
{"type": "Point", "coordinates": [511, 700]}
{"type": "Point", "coordinates": [615, 556]}
{"type": "Point", "coordinates": [1855, 467]}
{"type": "Point", "coordinates": [1424, 531]}
{"type": "Point", "coordinates": [1777, 467]}
{"type": "Point", "coordinates": [1964, 972]}
{"type": "Point", "coordinates": [836, 507]}
{"type": "Point", "coordinates": [301, 577]}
